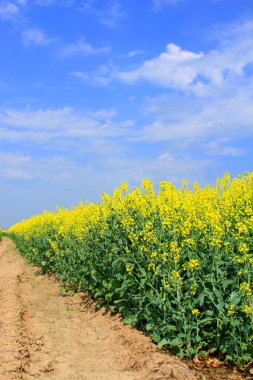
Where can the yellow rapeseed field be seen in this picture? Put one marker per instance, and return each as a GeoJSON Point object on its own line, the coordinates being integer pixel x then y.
{"type": "Point", "coordinates": [177, 263]}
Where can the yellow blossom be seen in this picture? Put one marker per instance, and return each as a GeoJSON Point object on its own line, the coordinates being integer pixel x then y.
{"type": "Point", "coordinates": [195, 312]}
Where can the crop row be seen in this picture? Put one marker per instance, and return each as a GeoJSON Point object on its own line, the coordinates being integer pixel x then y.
{"type": "Point", "coordinates": [177, 263]}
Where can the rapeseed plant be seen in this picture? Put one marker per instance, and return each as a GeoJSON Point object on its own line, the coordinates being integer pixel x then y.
{"type": "Point", "coordinates": [179, 263]}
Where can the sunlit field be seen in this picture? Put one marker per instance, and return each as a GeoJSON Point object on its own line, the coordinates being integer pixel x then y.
{"type": "Point", "coordinates": [176, 263]}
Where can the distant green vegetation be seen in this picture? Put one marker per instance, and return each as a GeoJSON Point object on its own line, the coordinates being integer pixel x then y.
{"type": "Point", "coordinates": [3, 233]}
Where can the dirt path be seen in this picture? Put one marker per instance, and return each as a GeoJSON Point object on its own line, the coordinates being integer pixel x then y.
{"type": "Point", "coordinates": [46, 335]}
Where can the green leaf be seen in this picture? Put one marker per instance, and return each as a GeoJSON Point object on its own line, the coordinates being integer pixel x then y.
{"type": "Point", "coordinates": [156, 337]}
{"type": "Point", "coordinates": [220, 305]}
{"type": "Point", "coordinates": [163, 342]}
{"type": "Point", "coordinates": [210, 312]}
{"type": "Point", "coordinates": [176, 342]}
{"type": "Point", "coordinates": [201, 299]}
{"type": "Point", "coordinates": [206, 321]}
{"type": "Point", "coordinates": [234, 298]}
{"type": "Point", "coordinates": [149, 326]}
{"type": "Point", "coordinates": [131, 320]}
{"type": "Point", "coordinates": [108, 297]}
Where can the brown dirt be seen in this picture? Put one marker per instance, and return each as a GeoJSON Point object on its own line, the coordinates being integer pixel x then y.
{"type": "Point", "coordinates": [45, 334]}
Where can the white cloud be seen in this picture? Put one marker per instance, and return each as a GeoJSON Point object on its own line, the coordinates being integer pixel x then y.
{"type": "Point", "coordinates": [162, 166]}
{"type": "Point", "coordinates": [209, 103]}
{"type": "Point", "coordinates": [34, 36]}
{"type": "Point", "coordinates": [113, 15]}
{"type": "Point", "coordinates": [61, 125]}
{"type": "Point", "coordinates": [12, 10]}
{"type": "Point", "coordinates": [106, 143]}
{"type": "Point", "coordinates": [92, 78]}
{"type": "Point", "coordinates": [108, 13]}
{"type": "Point", "coordinates": [172, 68]}
{"type": "Point", "coordinates": [102, 76]}
{"type": "Point", "coordinates": [198, 72]}
{"type": "Point", "coordinates": [19, 166]}
{"type": "Point", "coordinates": [8, 10]}
{"type": "Point", "coordinates": [220, 117]}
{"type": "Point", "coordinates": [221, 148]}
{"type": "Point", "coordinates": [13, 166]}
{"type": "Point", "coordinates": [134, 53]}
{"type": "Point", "coordinates": [21, 2]}
{"type": "Point", "coordinates": [83, 48]}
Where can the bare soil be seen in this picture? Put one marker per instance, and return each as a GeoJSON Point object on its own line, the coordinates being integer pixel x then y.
{"type": "Point", "coordinates": [45, 334]}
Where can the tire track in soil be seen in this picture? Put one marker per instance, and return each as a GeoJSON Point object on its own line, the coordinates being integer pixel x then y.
{"type": "Point", "coordinates": [47, 335]}
{"type": "Point", "coordinates": [15, 338]}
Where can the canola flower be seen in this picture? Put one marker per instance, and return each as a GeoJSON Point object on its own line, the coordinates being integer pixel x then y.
{"type": "Point", "coordinates": [195, 312]}
{"type": "Point", "coordinates": [179, 262]}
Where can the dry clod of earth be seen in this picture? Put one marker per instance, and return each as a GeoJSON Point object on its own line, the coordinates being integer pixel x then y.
{"type": "Point", "coordinates": [44, 335]}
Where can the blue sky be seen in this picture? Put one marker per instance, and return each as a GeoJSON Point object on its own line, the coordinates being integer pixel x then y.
{"type": "Point", "coordinates": [94, 92]}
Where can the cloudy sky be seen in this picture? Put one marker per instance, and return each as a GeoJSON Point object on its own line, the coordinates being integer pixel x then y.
{"type": "Point", "coordinates": [93, 92]}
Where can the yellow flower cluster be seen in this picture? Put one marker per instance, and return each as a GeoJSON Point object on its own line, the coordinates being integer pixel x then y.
{"type": "Point", "coordinates": [195, 312]}
{"type": "Point", "coordinates": [176, 232]}
{"type": "Point", "coordinates": [245, 289]}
